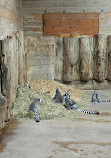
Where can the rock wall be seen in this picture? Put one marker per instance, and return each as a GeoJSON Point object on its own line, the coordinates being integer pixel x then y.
{"type": "Point", "coordinates": [39, 57]}
{"type": "Point", "coordinates": [109, 59]}
{"type": "Point", "coordinates": [11, 54]}
{"type": "Point", "coordinates": [71, 59]}
{"type": "Point", "coordinates": [58, 60]}
{"type": "Point", "coordinates": [100, 57]}
{"type": "Point", "coordinates": [68, 59]}
{"type": "Point", "coordinates": [84, 58]}
{"type": "Point", "coordinates": [12, 67]}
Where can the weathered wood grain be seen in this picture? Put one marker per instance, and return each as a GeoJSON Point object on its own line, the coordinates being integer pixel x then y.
{"type": "Point", "coordinates": [71, 16]}
{"type": "Point", "coordinates": [36, 7]}
{"type": "Point", "coordinates": [86, 23]}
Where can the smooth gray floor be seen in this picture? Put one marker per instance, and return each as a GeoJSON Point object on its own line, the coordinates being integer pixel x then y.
{"type": "Point", "coordinates": [89, 136]}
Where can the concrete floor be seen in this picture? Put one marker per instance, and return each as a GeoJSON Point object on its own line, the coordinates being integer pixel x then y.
{"type": "Point", "coordinates": [87, 136]}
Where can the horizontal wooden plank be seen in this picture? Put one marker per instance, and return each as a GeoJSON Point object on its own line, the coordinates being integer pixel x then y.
{"type": "Point", "coordinates": [70, 30]}
{"type": "Point", "coordinates": [86, 23]}
{"type": "Point", "coordinates": [70, 23]}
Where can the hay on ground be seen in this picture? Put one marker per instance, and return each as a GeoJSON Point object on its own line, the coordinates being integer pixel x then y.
{"type": "Point", "coordinates": [45, 90]}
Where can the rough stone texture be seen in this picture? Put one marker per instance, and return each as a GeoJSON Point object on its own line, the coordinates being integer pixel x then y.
{"type": "Point", "coordinates": [12, 64]}
{"type": "Point", "coordinates": [100, 57]}
{"type": "Point", "coordinates": [76, 59]}
{"type": "Point", "coordinates": [109, 59]}
{"type": "Point", "coordinates": [86, 58]}
{"type": "Point", "coordinates": [58, 63]}
{"type": "Point", "coordinates": [68, 60]}
{"type": "Point", "coordinates": [12, 68]}
{"type": "Point", "coordinates": [11, 80]}
{"type": "Point", "coordinates": [39, 57]}
{"type": "Point", "coordinates": [3, 103]}
{"type": "Point", "coordinates": [21, 57]}
{"type": "Point", "coordinates": [71, 59]}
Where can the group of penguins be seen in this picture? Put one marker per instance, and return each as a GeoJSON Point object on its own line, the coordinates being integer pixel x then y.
{"type": "Point", "coordinates": [67, 102]}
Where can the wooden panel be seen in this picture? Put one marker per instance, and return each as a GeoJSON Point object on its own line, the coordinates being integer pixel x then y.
{"type": "Point", "coordinates": [70, 30]}
{"type": "Point", "coordinates": [77, 23]}
{"type": "Point", "coordinates": [34, 7]}
{"type": "Point", "coordinates": [67, 16]}
{"type": "Point", "coordinates": [69, 22]}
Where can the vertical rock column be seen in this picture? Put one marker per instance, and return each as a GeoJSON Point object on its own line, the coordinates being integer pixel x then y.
{"type": "Point", "coordinates": [100, 57]}
{"type": "Point", "coordinates": [71, 59]}
{"type": "Point", "coordinates": [86, 58]}
{"type": "Point", "coordinates": [21, 58]}
{"type": "Point", "coordinates": [58, 60]}
{"type": "Point", "coordinates": [109, 59]}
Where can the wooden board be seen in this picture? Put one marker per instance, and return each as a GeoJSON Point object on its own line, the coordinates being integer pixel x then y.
{"type": "Point", "coordinates": [58, 24]}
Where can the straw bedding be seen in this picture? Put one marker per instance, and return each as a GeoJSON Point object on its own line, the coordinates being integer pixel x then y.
{"type": "Point", "coordinates": [46, 91]}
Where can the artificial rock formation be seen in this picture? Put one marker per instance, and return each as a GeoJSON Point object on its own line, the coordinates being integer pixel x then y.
{"type": "Point", "coordinates": [58, 61]}
{"type": "Point", "coordinates": [86, 58]}
{"type": "Point", "coordinates": [71, 59]}
{"type": "Point", "coordinates": [109, 59]}
{"type": "Point", "coordinates": [100, 57]}
{"type": "Point", "coordinates": [39, 57]}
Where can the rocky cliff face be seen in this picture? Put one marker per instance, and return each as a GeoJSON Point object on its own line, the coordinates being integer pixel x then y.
{"type": "Point", "coordinates": [82, 58]}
